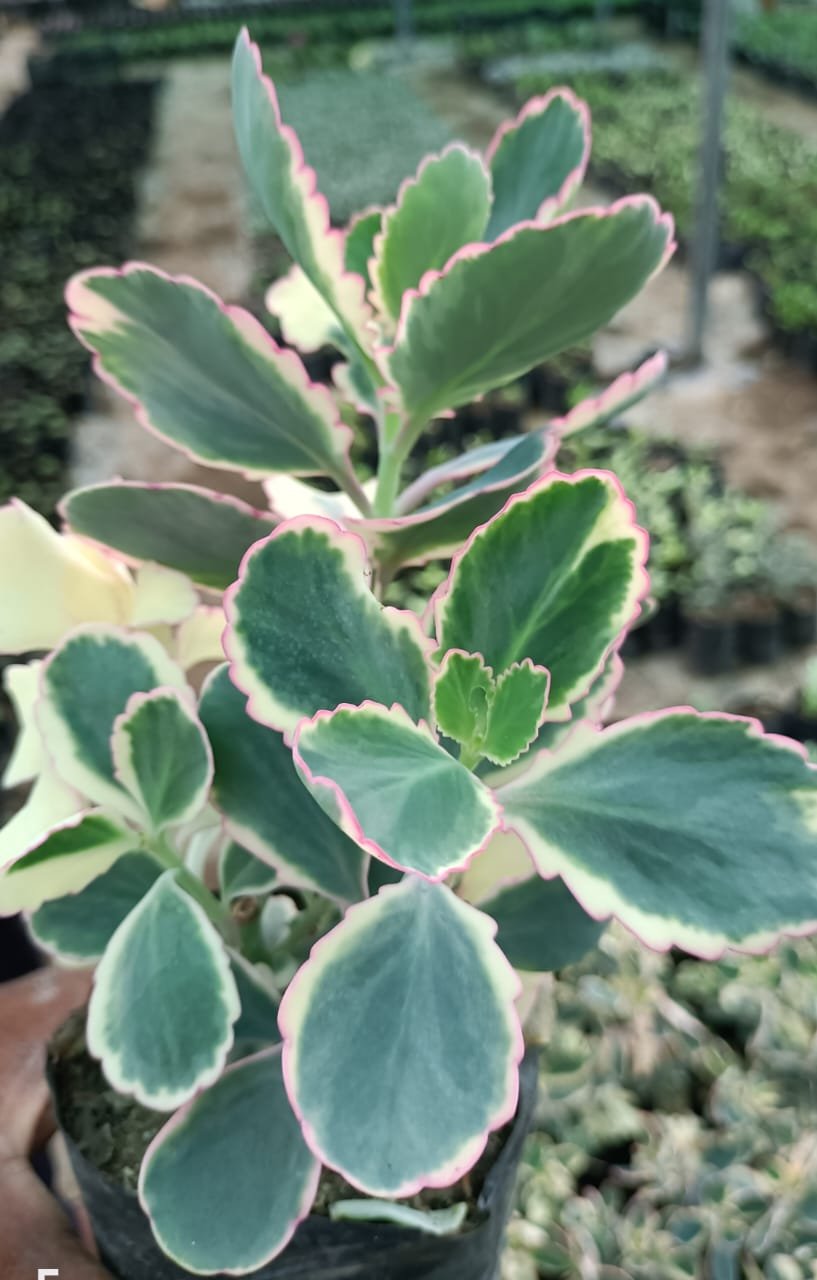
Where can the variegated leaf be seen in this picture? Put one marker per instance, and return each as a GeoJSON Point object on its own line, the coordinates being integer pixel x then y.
{"type": "Point", "coordinates": [161, 1015]}
{"type": "Point", "coordinates": [306, 321]}
{"type": "Point", "coordinates": [284, 188]}
{"type": "Point", "coordinates": [538, 160]}
{"type": "Point", "coordinates": [257, 1024]}
{"type": "Point", "coordinates": [162, 757]}
{"type": "Point", "coordinates": [310, 579]}
{"type": "Point", "coordinates": [86, 684]}
{"type": "Point", "coordinates": [206, 378]}
{"type": "Point", "coordinates": [209, 1209]}
{"type": "Point", "coordinates": [392, 1068]}
{"type": "Point", "coordinates": [240, 872]}
{"type": "Point", "coordinates": [62, 859]}
{"type": "Point", "coordinates": [622, 394]}
{"type": "Point", "coordinates": [442, 208]}
{"type": "Point", "coordinates": [694, 830]}
{"type": "Point", "coordinates": [198, 532]}
{"type": "Point", "coordinates": [555, 577]}
{"type": "Point", "coordinates": [21, 681]}
{"type": "Point", "coordinates": [540, 290]}
{"type": "Point", "coordinates": [390, 786]}
{"type": "Point", "coordinates": [292, 834]}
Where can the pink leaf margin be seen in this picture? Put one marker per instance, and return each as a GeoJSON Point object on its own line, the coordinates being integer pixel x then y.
{"type": "Point", "coordinates": [626, 390]}
{"type": "Point", "coordinates": [537, 107]}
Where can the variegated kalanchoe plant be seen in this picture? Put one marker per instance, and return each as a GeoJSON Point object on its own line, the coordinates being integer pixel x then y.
{"type": "Point", "coordinates": [429, 801]}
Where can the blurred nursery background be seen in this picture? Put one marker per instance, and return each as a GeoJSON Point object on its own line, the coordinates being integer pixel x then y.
{"type": "Point", "coordinates": [676, 1133]}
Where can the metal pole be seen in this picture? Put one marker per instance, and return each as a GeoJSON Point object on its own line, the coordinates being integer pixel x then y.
{"type": "Point", "coordinates": [715, 49]}
{"type": "Point", "coordinates": [403, 23]}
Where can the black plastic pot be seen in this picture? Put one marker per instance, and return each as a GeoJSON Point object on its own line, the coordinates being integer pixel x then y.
{"type": "Point", "coordinates": [322, 1249]}
{"type": "Point", "coordinates": [799, 626]}
{"type": "Point", "coordinates": [760, 640]}
{"type": "Point", "coordinates": [664, 628]}
{"type": "Point", "coordinates": [710, 645]}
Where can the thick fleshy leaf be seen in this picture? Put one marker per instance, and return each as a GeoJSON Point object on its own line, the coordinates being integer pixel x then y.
{"type": "Point", "coordinates": [200, 533]}
{"type": "Point", "coordinates": [310, 579]}
{"type": "Point", "coordinates": [555, 577]}
{"type": "Point", "coordinates": [406, 1063]}
{"type": "Point", "coordinates": [541, 926]}
{"type": "Point", "coordinates": [49, 584]}
{"type": "Point", "coordinates": [211, 1207]}
{"type": "Point", "coordinates": [434, 1222]}
{"type": "Point", "coordinates": [439, 529]}
{"type": "Point", "coordinates": [240, 872]}
{"type": "Point", "coordinates": [360, 237]}
{"type": "Point", "coordinates": [622, 394]}
{"type": "Point", "coordinates": [162, 757]}
{"type": "Point", "coordinates": [443, 207]}
{"type": "Point", "coordinates": [306, 321]}
{"type": "Point", "coordinates": [164, 1002]}
{"type": "Point", "coordinates": [86, 684]}
{"type": "Point", "coordinates": [691, 829]}
{"type": "Point", "coordinates": [265, 805]}
{"type": "Point", "coordinates": [205, 377]}
{"type": "Point", "coordinates": [78, 927]}
{"type": "Point", "coordinates": [541, 289]}
{"type": "Point", "coordinates": [198, 639]}
{"type": "Point", "coordinates": [284, 188]}
{"type": "Point", "coordinates": [538, 160]}
{"type": "Point", "coordinates": [257, 1025]}
{"type": "Point", "coordinates": [28, 757]}
{"type": "Point", "coordinates": [503, 861]}
{"type": "Point", "coordinates": [62, 860]}
{"type": "Point", "coordinates": [161, 597]}
{"type": "Point", "coordinates": [462, 696]}
{"type": "Point", "coordinates": [462, 467]}
{"type": "Point", "coordinates": [516, 711]}
{"type": "Point", "coordinates": [394, 789]}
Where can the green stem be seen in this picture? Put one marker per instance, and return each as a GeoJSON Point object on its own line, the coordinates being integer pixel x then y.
{"type": "Point", "coordinates": [388, 482]}
{"type": "Point", "coordinates": [215, 910]}
{"type": "Point", "coordinates": [470, 756]}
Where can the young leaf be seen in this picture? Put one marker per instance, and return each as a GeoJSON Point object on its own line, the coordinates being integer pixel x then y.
{"type": "Point", "coordinates": [291, 833]}
{"type": "Point", "coordinates": [310, 579]}
{"type": "Point", "coordinates": [541, 289]}
{"type": "Point", "coordinates": [565, 611]}
{"type": "Point", "coordinates": [62, 860]}
{"type": "Point", "coordinates": [210, 1208]}
{"type": "Point", "coordinates": [445, 206]}
{"type": "Point", "coordinates": [541, 926]}
{"type": "Point", "coordinates": [162, 757]}
{"type": "Point", "coordinates": [516, 711]}
{"type": "Point", "coordinates": [198, 532]}
{"type": "Point", "coordinates": [538, 160]}
{"type": "Point", "coordinates": [462, 467]}
{"type": "Point", "coordinates": [205, 377]}
{"type": "Point", "coordinates": [164, 1002]}
{"type": "Point", "coordinates": [693, 830]}
{"type": "Point", "coordinates": [285, 190]}
{"type": "Point", "coordinates": [78, 927]}
{"type": "Point", "coordinates": [393, 1068]}
{"type": "Point", "coordinates": [622, 394]}
{"type": "Point", "coordinates": [392, 788]}
{"type": "Point", "coordinates": [86, 684]}
{"type": "Point", "coordinates": [462, 696]}
{"type": "Point", "coordinates": [240, 872]}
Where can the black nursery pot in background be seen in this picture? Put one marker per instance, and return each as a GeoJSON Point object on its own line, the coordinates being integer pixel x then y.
{"type": "Point", "coordinates": [799, 625]}
{"type": "Point", "coordinates": [322, 1249]}
{"type": "Point", "coordinates": [710, 645]}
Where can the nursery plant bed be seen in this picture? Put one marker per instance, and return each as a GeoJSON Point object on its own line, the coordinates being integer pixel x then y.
{"type": "Point", "coordinates": [107, 1136]}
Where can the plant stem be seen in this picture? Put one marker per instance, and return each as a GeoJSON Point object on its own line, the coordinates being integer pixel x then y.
{"type": "Point", "coordinates": [388, 481]}
{"type": "Point", "coordinates": [470, 756]}
{"type": "Point", "coordinates": [215, 910]}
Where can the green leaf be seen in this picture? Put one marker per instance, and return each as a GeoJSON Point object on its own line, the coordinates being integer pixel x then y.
{"type": "Point", "coordinates": [439, 528]}
{"type": "Point", "coordinates": [195, 531]}
{"type": "Point", "coordinates": [538, 160]}
{"type": "Point", "coordinates": [257, 1025]}
{"type": "Point", "coordinates": [516, 711]}
{"type": "Point", "coordinates": [205, 377]}
{"type": "Point", "coordinates": [79, 926]}
{"type": "Point", "coordinates": [310, 579]}
{"type": "Point", "coordinates": [360, 237]}
{"type": "Point", "coordinates": [462, 696]}
{"type": "Point", "coordinates": [405, 1064]}
{"type": "Point", "coordinates": [623, 393]}
{"type": "Point", "coordinates": [240, 872]}
{"type": "Point", "coordinates": [284, 188]}
{"type": "Point", "coordinates": [540, 291]}
{"type": "Point", "coordinates": [564, 609]}
{"type": "Point", "coordinates": [212, 1206]}
{"type": "Point", "coordinates": [541, 925]}
{"type": "Point", "coordinates": [434, 1222]}
{"type": "Point", "coordinates": [162, 757]}
{"type": "Point", "coordinates": [86, 684]}
{"type": "Point", "coordinates": [694, 830]}
{"type": "Point", "coordinates": [63, 860]}
{"type": "Point", "coordinates": [164, 1002]}
{"type": "Point", "coordinates": [445, 206]}
{"type": "Point", "coordinates": [394, 789]}
{"type": "Point", "coordinates": [266, 807]}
